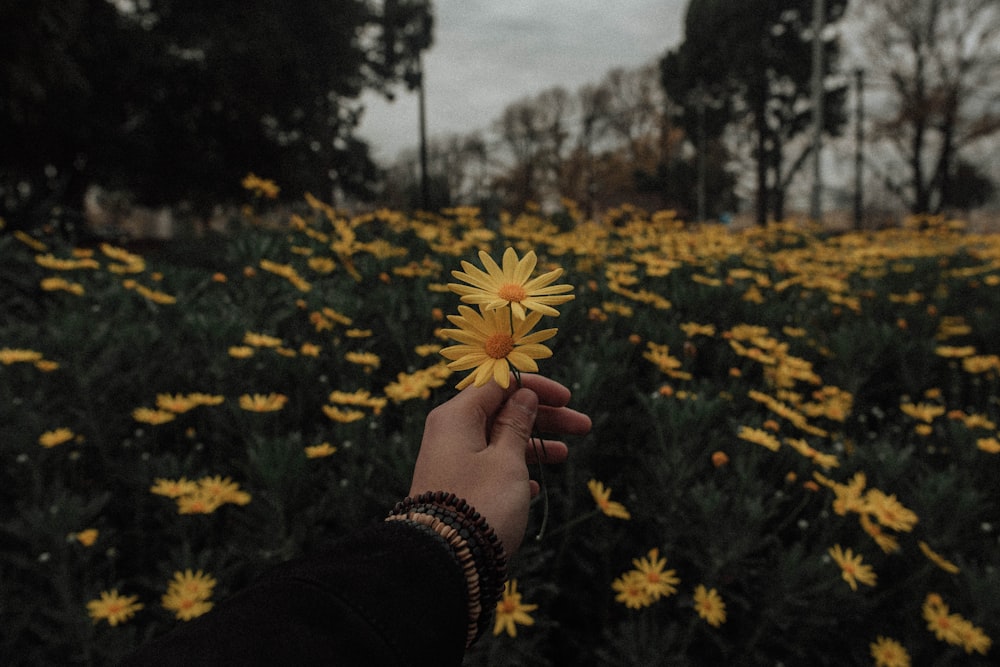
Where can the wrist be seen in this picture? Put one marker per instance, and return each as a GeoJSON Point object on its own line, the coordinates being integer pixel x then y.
{"type": "Point", "coordinates": [473, 543]}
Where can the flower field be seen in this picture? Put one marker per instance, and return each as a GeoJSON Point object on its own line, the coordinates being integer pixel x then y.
{"type": "Point", "coordinates": [794, 457]}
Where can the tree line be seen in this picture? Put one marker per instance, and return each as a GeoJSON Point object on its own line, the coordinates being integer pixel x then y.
{"type": "Point", "coordinates": [173, 101]}
{"type": "Point", "coordinates": [728, 114]}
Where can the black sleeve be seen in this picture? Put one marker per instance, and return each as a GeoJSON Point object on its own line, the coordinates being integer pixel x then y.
{"type": "Point", "coordinates": [389, 595]}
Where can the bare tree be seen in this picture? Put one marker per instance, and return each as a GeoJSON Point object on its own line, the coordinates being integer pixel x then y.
{"type": "Point", "coordinates": [535, 132]}
{"type": "Point", "coordinates": [939, 63]}
{"type": "Point", "coordinates": [635, 108]}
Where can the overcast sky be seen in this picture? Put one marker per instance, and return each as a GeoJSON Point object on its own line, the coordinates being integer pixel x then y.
{"type": "Point", "coordinates": [487, 54]}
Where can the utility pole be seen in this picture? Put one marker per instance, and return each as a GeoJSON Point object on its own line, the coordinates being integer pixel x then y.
{"type": "Point", "coordinates": [702, 171]}
{"type": "Point", "coordinates": [859, 138]}
{"type": "Point", "coordinates": [422, 113]}
{"type": "Point", "coordinates": [819, 15]}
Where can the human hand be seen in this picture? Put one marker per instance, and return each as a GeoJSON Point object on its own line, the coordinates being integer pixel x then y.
{"type": "Point", "coordinates": [476, 445]}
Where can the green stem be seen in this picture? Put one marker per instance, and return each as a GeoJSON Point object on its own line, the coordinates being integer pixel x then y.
{"type": "Point", "coordinates": [578, 520]}
{"type": "Point", "coordinates": [534, 446]}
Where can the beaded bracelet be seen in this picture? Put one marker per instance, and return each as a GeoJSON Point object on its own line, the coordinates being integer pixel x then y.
{"type": "Point", "coordinates": [474, 545]}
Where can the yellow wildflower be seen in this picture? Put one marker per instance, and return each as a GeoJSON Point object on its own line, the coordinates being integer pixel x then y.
{"type": "Point", "coordinates": [490, 343]}
{"type": "Point", "coordinates": [263, 402]}
{"type": "Point", "coordinates": [632, 591]}
{"type": "Point", "coordinates": [511, 612]}
{"type": "Point", "coordinates": [86, 537]}
{"type": "Point", "coordinates": [851, 568]}
{"type": "Point", "coordinates": [113, 608]}
{"type": "Point", "coordinates": [759, 437]}
{"type": "Point", "coordinates": [55, 437]}
{"type": "Point", "coordinates": [320, 450]}
{"type": "Point", "coordinates": [369, 360]}
{"type": "Point", "coordinates": [888, 511]}
{"type": "Point", "coordinates": [709, 605]}
{"type": "Point", "coordinates": [151, 416]}
{"type": "Point", "coordinates": [342, 416]}
{"type": "Point", "coordinates": [511, 285]}
{"type": "Point", "coordinates": [989, 445]}
{"type": "Point", "coordinates": [602, 496]}
{"type": "Point", "coordinates": [177, 403]}
{"type": "Point", "coordinates": [657, 582]}
{"type": "Point", "coordinates": [889, 653]}
{"type": "Point", "coordinates": [10, 356]}
{"type": "Point", "coordinates": [173, 488]}
{"type": "Point", "coordinates": [188, 593]}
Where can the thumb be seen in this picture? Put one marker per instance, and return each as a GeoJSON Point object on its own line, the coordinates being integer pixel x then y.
{"type": "Point", "coordinates": [515, 421]}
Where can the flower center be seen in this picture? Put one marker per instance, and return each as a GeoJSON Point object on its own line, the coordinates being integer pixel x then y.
{"type": "Point", "coordinates": [499, 345]}
{"type": "Point", "coordinates": [512, 292]}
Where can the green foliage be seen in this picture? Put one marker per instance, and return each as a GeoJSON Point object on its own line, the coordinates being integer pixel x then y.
{"type": "Point", "coordinates": [177, 100]}
{"type": "Point", "coordinates": [678, 340]}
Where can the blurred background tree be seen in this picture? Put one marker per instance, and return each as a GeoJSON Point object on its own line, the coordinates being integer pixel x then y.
{"type": "Point", "coordinates": [938, 62]}
{"type": "Point", "coordinates": [746, 67]}
{"type": "Point", "coordinates": [175, 100]}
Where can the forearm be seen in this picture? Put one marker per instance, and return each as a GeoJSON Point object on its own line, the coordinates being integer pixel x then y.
{"type": "Point", "coordinates": [390, 595]}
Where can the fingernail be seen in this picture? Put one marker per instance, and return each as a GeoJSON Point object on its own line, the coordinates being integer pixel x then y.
{"type": "Point", "coordinates": [526, 400]}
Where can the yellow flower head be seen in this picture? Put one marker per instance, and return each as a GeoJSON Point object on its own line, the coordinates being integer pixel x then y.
{"type": "Point", "coordinates": [177, 403]}
{"type": "Point", "coordinates": [511, 285]}
{"type": "Point", "coordinates": [852, 569]}
{"type": "Point", "coordinates": [490, 342]}
{"type": "Point", "coordinates": [113, 608]}
{"type": "Point", "coordinates": [657, 582]}
{"type": "Point", "coordinates": [151, 416]}
{"type": "Point", "coordinates": [320, 450]}
{"type": "Point", "coordinates": [631, 590]}
{"type": "Point", "coordinates": [173, 488]}
{"type": "Point", "coordinates": [889, 653]}
{"type": "Point", "coordinates": [86, 537]}
{"type": "Point", "coordinates": [55, 437]}
{"type": "Point", "coordinates": [511, 612]}
{"type": "Point", "coordinates": [709, 605]}
{"type": "Point", "coordinates": [602, 496]}
{"type": "Point", "coordinates": [263, 403]}
{"type": "Point", "coordinates": [188, 593]}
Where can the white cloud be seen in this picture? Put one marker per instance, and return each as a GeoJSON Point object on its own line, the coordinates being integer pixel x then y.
{"type": "Point", "coordinates": [488, 54]}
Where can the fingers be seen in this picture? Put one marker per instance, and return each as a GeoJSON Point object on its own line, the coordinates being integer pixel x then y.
{"type": "Point", "coordinates": [546, 451]}
{"type": "Point", "coordinates": [562, 420]}
{"type": "Point", "coordinates": [514, 423]}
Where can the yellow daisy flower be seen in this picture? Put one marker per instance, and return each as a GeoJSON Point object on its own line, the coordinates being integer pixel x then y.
{"type": "Point", "coordinates": [56, 437]}
{"type": "Point", "coordinates": [86, 537]}
{"type": "Point", "coordinates": [173, 488]}
{"type": "Point", "coordinates": [602, 496]}
{"type": "Point", "coordinates": [175, 402]}
{"type": "Point", "coordinates": [511, 612]}
{"type": "Point", "coordinates": [263, 402]}
{"type": "Point", "coordinates": [490, 342]}
{"type": "Point", "coordinates": [188, 593]}
{"type": "Point", "coordinates": [151, 416]}
{"type": "Point", "coordinates": [320, 450]}
{"type": "Point", "coordinates": [198, 502]}
{"type": "Point", "coordinates": [631, 590]}
{"type": "Point", "coordinates": [852, 569]}
{"type": "Point", "coordinates": [511, 285]}
{"type": "Point", "coordinates": [889, 653]}
{"type": "Point", "coordinates": [759, 437]}
{"type": "Point", "coordinates": [342, 416]}
{"type": "Point", "coordinates": [657, 582]}
{"type": "Point", "coordinates": [113, 608]}
{"type": "Point", "coordinates": [709, 605]}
